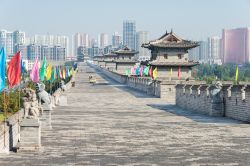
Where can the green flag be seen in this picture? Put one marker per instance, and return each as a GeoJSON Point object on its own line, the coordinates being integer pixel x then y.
{"type": "Point", "coordinates": [42, 73]}
{"type": "Point", "coordinates": [127, 71]}
{"type": "Point", "coordinates": [145, 71]}
{"type": "Point", "coordinates": [236, 74]}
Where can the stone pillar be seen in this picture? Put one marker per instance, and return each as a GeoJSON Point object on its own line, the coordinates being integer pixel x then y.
{"type": "Point", "coordinates": [63, 100]}
{"type": "Point", "coordinates": [45, 119]}
{"type": "Point", "coordinates": [217, 108]}
{"type": "Point", "coordinates": [30, 135]}
{"type": "Point", "coordinates": [4, 138]}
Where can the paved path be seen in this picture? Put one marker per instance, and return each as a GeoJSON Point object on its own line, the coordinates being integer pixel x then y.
{"type": "Point", "coordinates": [109, 124]}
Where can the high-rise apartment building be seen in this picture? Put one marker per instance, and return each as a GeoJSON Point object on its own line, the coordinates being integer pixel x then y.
{"type": "Point", "coordinates": [11, 41]}
{"type": "Point", "coordinates": [33, 52]}
{"type": "Point", "coordinates": [129, 34]}
{"type": "Point", "coordinates": [236, 45]}
{"type": "Point", "coordinates": [116, 40]}
{"type": "Point", "coordinates": [142, 37]}
{"type": "Point", "coordinates": [214, 50]}
{"type": "Point", "coordinates": [85, 40]}
{"type": "Point", "coordinates": [103, 40]}
{"type": "Point", "coordinates": [3, 37]}
{"type": "Point", "coordinates": [80, 40]}
{"type": "Point", "coordinates": [18, 39]}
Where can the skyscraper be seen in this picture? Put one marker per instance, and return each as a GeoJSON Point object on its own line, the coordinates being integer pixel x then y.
{"type": "Point", "coordinates": [80, 40]}
{"type": "Point", "coordinates": [85, 40]}
{"type": "Point", "coordinates": [103, 40]}
{"type": "Point", "coordinates": [214, 50]}
{"type": "Point", "coordinates": [18, 39]}
{"type": "Point", "coordinates": [77, 42]}
{"type": "Point", "coordinates": [142, 37]}
{"type": "Point", "coordinates": [3, 36]}
{"type": "Point", "coordinates": [11, 41]}
{"type": "Point", "coordinates": [129, 34]}
{"type": "Point", "coordinates": [236, 45]}
{"type": "Point", "coordinates": [199, 53]}
{"type": "Point", "coordinates": [116, 40]}
{"type": "Point", "coordinates": [203, 51]}
{"type": "Point", "coordinates": [33, 52]}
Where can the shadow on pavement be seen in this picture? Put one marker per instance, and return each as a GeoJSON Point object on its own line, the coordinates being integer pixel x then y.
{"type": "Point", "coordinates": [197, 117]}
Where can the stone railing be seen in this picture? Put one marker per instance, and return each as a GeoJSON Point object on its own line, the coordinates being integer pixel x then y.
{"type": "Point", "coordinates": [231, 101]}
{"type": "Point", "coordinates": [10, 131]}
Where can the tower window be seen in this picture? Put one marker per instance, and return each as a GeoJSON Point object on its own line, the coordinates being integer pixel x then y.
{"type": "Point", "coordinates": [165, 56]}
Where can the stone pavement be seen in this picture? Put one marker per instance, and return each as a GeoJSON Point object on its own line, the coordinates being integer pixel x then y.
{"type": "Point", "coordinates": [110, 124]}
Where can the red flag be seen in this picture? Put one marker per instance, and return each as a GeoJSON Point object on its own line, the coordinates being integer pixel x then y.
{"type": "Point", "coordinates": [179, 72]}
{"type": "Point", "coordinates": [151, 71]}
{"type": "Point", "coordinates": [14, 70]}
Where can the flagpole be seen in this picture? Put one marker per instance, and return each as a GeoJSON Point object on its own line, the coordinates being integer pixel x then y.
{"type": "Point", "coordinates": [19, 99]}
{"type": "Point", "coordinates": [4, 129]}
{"type": "Point", "coordinates": [50, 83]}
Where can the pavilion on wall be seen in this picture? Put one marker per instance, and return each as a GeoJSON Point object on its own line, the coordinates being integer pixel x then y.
{"type": "Point", "coordinates": [109, 60]}
{"type": "Point", "coordinates": [170, 52]}
{"type": "Point", "coordinates": [125, 59]}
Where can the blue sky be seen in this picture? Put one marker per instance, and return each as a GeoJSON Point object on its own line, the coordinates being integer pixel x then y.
{"type": "Point", "coordinates": [192, 19]}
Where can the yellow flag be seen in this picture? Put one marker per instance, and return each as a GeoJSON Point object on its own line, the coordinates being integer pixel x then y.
{"type": "Point", "coordinates": [73, 72]}
{"type": "Point", "coordinates": [155, 73]}
{"type": "Point", "coordinates": [236, 74]}
{"type": "Point", "coordinates": [48, 72]}
{"type": "Point", "coordinates": [171, 71]}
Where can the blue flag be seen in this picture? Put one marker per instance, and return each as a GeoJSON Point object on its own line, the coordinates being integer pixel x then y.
{"type": "Point", "coordinates": [137, 71]}
{"type": "Point", "coordinates": [2, 69]}
{"type": "Point", "coordinates": [22, 67]}
{"type": "Point", "coordinates": [67, 72]}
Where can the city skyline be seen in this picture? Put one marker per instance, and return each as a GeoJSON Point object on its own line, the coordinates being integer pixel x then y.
{"type": "Point", "coordinates": [206, 18]}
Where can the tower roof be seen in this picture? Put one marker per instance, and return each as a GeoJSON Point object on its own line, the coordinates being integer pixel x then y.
{"type": "Point", "coordinates": [125, 50]}
{"type": "Point", "coordinates": [110, 55]}
{"type": "Point", "coordinates": [170, 40]}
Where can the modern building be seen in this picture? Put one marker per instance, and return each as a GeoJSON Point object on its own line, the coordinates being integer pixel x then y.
{"type": "Point", "coordinates": [59, 53]}
{"type": "Point", "coordinates": [23, 49]}
{"type": "Point", "coordinates": [203, 51]}
{"type": "Point", "coordinates": [108, 49]}
{"type": "Point", "coordinates": [77, 42]}
{"type": "Point", "coordinates": [11, 40]}
{"type": "Point", "coordinates": [194, 54]}
{"type": "Point", "coordinates": [52, 41]}
{"type": "Point", "coordinates": [3, 36]}
{"type": "Point", "coordinates": [116, 40]}
{"type": "Point", "coordinates": [47, 51]}
{"type": "Point", "coordinates": [103, 40]}
{"type": "Point", "coordinates": [85, 40]}
{"type": "Point", "coordinates": [129, 34]}
{"type": "Point", "coordinates": [80, 39]}
{"type": "Point", "coordinates": [18, 39]}
{"type": "Point", "coordinates": [33, 52]}
{"type": "Point", "coordinates": [93, 51]}
{"type": "Point", "coordinates": [214, 50]}
{"type": "Point", "coordinates": [144, 54]}
{"type": "Point", "coordinates": [236, 45]}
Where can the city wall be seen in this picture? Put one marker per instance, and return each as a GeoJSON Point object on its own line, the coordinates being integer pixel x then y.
{"type": "Point", "coordinates": [231, 101]}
